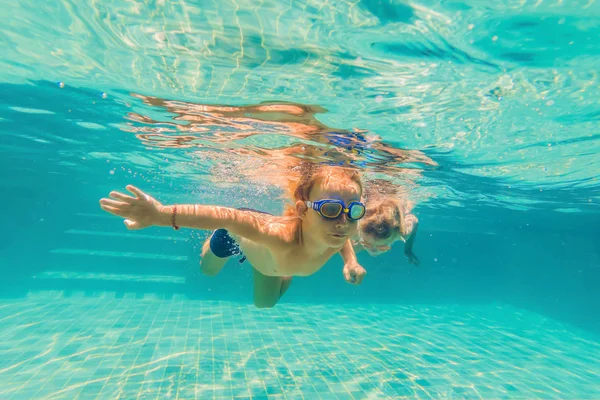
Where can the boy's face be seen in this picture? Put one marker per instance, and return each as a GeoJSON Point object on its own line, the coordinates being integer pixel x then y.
{"type": "Point", "coordinates": [333, 232]}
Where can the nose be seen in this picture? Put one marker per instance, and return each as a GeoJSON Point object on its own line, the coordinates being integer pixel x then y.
{"type": "Point", "coordinates": [342, 220]}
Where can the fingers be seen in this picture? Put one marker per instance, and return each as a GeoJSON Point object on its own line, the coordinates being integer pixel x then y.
{"type": "Point", "coordinates": [359, 278]}
{"type": "Point", "coordinates": [105, 205]}
{"type": "Point", "coordinates": [121, 196]}
{"type": "Point", "coordinates": [131, 224]}
{"type": "Point", "coordinates": [412, 259]}
{"type": "Point", "coordinates": [347, 276]}
{"type": "Point", "coordinates": [138, 193]}
{"type": "Point", "coordinates": [350, 277]}
{"type": "Point", "coordinates": [354, 277]}
{"type": "Point", "coordinates": [113, 210]}
{"type": "Point", "coordinates": [113, 203]}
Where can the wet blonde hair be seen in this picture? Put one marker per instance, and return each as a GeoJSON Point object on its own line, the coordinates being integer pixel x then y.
{"type": "Point", "coordinates": [384, 219]}
{"type": "Point", "coordinates": [309, 174]}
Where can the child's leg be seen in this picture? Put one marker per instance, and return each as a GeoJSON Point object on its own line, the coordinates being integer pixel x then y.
{"type": "Point", "coordinates": [269, 289]}
{"type": "Point", "coordinates": [210, 264]}
{"type": "Point", "coordinates": [285, 285]}
{"type": "Point", "coordinates": [216, 251]}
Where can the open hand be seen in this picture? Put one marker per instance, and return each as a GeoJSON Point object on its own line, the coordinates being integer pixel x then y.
{"type": "Point", "coordinates": [412, 258]}
{"type": "Point", "coordinates": [139, 212]}
{"type": "Point", "coordinates": [354, 273]}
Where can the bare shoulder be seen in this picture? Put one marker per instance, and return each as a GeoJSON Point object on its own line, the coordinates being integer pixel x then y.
{"type": "Point", "coordinates": [410, 222]}
{"type": "Point", "coordinates": [406, 206]}
{"type": "Point", "coordinates": [276, 230]}
{"type": "Point", "coordinates": [411, 218]}
{"type": "Point", "coordinates": [285, 229]}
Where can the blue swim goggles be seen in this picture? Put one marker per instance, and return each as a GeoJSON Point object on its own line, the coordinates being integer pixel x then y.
{"type": "Point", "coordinates": [331, 209]}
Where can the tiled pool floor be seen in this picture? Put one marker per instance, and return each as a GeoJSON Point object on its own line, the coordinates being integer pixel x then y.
{"type": "Point", "coordinates": [107, 348]}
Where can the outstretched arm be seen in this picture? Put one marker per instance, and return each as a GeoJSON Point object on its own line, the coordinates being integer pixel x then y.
{"type": "Point", "coordinates": [353, 271]}
{"type": "Point", "coordinates": [412, 258]}
{"type": "Point", "coordinates": [143, 211]}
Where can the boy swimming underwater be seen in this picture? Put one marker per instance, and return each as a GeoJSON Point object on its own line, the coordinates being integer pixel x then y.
{"type": "Point", "coordinates": [320, 223]}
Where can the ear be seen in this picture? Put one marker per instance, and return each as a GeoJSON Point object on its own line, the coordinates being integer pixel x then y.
{"type": "Point", "coordinates": [301, 209]}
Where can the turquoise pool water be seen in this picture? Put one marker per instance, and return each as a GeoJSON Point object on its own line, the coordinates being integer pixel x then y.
{"type": "Point", "coordinates": [107, 347]}
{"type": "Point", "coordinates": [485, 116]}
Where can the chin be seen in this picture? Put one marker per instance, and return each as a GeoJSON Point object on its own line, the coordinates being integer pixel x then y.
{"type": "Point", "coordinates": [336, 242]}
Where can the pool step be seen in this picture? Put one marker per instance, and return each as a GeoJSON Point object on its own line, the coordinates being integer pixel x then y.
{"type": "Point", "coordinates": [86, 276]}
{"type": "Point", "coordinates": [98, 252]}
{"type": "Point", "coordinates": [129, 262]}
{"type": "Point", "coordinates": [136, 235]}
{"type": "Point", "coordinates": [119, 254]}
{"type": "Point", "coordinates": [124, 240]}
{"type": "Point", "coordinates": [91, 283]}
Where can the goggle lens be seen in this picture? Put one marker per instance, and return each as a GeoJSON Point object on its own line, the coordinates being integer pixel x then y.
{"type": "Point", "coordinates": [331, 210]}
